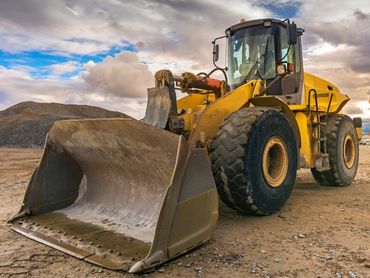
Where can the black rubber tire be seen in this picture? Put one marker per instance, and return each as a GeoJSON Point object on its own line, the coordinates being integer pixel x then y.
{"type": "Point", "coordinates": [336, 129]}
{"type": "Point", "coordinates": [236, 156]}
{"type": "Point", "coordinates": [357, 122]}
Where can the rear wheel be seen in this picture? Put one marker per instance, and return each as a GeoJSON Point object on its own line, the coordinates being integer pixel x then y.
{"type": "Point", "coordinates": [254, 160]}
{"type": "Point", "coordinates": [342, 147]}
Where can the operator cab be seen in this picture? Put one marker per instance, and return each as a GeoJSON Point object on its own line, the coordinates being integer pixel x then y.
{"type": "Point", "coordinates": [267, 49]}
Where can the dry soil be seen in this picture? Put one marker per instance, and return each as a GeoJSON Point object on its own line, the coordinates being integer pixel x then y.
{"type": "Point", "coordinates": [320, 232]}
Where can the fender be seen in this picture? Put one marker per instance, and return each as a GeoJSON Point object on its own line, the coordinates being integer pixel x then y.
{"type": "Point", "coordinates": [275, 102]}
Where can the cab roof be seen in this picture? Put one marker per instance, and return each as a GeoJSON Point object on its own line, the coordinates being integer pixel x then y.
{"type": "Point", "coordinates": [249, 23]}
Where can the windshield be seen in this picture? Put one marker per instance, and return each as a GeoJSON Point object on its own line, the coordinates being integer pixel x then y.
{"type": "Point", "coordinates": [251, 55]}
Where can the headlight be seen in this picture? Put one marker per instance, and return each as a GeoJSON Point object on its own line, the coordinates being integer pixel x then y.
{"type": "Point", "coordinates": [281, 69]}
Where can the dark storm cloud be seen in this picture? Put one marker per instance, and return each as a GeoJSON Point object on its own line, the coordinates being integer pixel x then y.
{"type": "Point", "coordinates": [171, 34]}
{"type": "Point", "coordinates": [352, 31]}
{"type": "Point", "coordinates": [175, 28]}
{"type": "Point", "coordinates": [360, 15]}
{"type": "Point", "coordinates": [175, 35]}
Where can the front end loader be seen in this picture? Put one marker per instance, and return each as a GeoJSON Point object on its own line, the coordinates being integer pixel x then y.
{"type": "Point", "coordinates": [131, 195]}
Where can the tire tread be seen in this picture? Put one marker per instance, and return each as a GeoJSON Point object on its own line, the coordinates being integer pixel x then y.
{"type": "Point", "coordinates": [227, 153]}
{"type": "Point", "coordinates": [331, 177]}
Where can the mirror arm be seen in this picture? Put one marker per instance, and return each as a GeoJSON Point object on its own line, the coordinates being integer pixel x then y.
{"type": "Point", "coordinates": [214, 41]}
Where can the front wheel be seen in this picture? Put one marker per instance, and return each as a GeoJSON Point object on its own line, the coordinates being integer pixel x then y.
{"type": "Point", "coordinates": [254, 160]}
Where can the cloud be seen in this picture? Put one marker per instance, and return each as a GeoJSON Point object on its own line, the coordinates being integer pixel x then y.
{"type": "Point", "coordinates": [164, 34]}
{"type": "Point", "coordinates": [19, 86]}
{"type": "Point", "coordinates": [318, 11]}
{"type": "Point", "coordinates": [171, 29]}
{"type": "Point", "coordinates": [360, 15]}
{"type": "Point", "coordinates": [353, 110]}
{"type": "Point", "coordinates": [122, 76]}
{"type": "Point", "coordinates": [63, 68]}
{"type": "Point", "coordinates": [347, 26]}
{"type": "Point", "coordinates": [16, 86]}
{"type": "Point", "coordinates": [336, 47]}
{"type": "Point", "coordinates": [334, 66]}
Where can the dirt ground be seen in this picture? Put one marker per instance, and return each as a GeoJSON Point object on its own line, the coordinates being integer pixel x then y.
{"type": "Point", "coordinates": [320, 232]}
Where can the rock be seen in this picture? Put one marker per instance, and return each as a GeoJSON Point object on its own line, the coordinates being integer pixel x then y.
{"type": "Point", "coordinates": [188, 265]}
{"type": "Point", "coordinates": [351, 274]}
{"type": "Point", "coordinates": [263, 251]}
{"type": "Point", "coordinates": [301, 236]}
{"type": "Point", "coordinates": [230, 258]}
{"type": "Point", "coordinates": [199, 269]}
{"type": "Point", "coordinates": [161, 270]}
{"type": "Point", "coordinates": [361, 260]}
{"type": "Point", "coordinates": [276, 260]}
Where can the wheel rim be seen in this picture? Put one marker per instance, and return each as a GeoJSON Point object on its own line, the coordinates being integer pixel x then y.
{"type": "Point", "coordinates": [349, 151]}
{"type": "Point", "coordinates": [275, 161]}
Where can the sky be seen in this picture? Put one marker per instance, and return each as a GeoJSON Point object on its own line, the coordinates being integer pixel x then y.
{"type": "Point", "coordinates": [105, 53]}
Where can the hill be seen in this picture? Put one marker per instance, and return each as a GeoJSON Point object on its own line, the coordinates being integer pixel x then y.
{"type": "Point", "coordinates": [27, 123]}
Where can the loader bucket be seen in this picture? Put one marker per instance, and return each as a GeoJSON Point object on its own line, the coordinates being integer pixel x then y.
{"type": "Point", "coordinates": [119, 193]}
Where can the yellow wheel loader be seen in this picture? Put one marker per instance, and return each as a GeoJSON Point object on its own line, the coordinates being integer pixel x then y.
{"type": "Point", "coordinates": [131, 195]}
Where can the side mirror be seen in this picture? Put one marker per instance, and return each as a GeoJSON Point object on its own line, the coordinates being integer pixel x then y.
{"type": "Point", "coordinates": [292, 32]}
{"type": "Point", "coordinates": [216, 50]}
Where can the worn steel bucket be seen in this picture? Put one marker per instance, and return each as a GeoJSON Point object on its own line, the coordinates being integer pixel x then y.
{"type": "Point", "coordinates": [119, 193]}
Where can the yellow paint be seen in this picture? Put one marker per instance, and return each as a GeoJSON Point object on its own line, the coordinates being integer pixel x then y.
{"type": "Point", "coordinates": [359, 133]}
{"type": "Point", "coordinates": [203, 113]}
{"type": "Point", "coordinates": [322, 88]}
{"type": "Point", "coordinates": [191, 106]}
{"type": "Point", "coordinates": [190, 101]}
{"type": "Point", "coordinates": [306, 153]}
{"type": "Point", "coordinates": [275, 161]}
{"type": "Point", "coordinates": [349, 151]}
{"type": "Point", "coordinates": [209, 120]}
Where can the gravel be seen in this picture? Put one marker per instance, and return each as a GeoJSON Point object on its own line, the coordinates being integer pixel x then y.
{"type": "Point", "coordinates": [26, 124]}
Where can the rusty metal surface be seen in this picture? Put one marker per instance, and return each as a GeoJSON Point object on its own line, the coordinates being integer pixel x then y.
{"type": "Point", "coordinates": [107, 191]}
{"type": "Point", "coordinates": [83, 240]}
{"type": "Point", "coordinates": [158, 107]}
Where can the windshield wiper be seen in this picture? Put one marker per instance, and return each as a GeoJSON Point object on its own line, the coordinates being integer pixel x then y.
{"type": "Point", "coordinates": [254, 67]}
